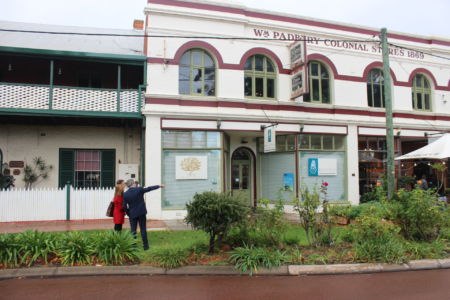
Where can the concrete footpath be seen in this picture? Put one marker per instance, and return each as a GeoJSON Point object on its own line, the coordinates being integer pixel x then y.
{"type": "Point", "coordinates": [152, 225]}
{"type": "Point", "coordinates": [290, 270]}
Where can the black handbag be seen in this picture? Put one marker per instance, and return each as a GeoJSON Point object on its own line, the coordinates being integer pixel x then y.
{"type": "Point", "coordinates": [110, 210]}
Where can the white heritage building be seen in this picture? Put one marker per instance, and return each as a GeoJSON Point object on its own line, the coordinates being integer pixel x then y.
{"type": "Point", "coordinates": [220, 73]}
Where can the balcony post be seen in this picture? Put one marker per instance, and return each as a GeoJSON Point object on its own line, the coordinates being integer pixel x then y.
{"type": "Point", "coordinates": [50, 91]}
{"type": "Point", "coordinates": [118, 87]}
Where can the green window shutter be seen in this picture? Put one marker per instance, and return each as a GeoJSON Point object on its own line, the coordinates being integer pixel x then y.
{"type": "Point", "coordinates": [66, 166]}
{"type": "Point", "coordinates": [108, 168]}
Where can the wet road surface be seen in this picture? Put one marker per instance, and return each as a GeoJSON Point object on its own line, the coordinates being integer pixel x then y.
{"type": "Point", "coordinates": [429, 285]}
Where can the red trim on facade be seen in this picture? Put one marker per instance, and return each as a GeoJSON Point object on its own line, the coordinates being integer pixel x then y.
{"type": "Point", "coordinates": [314, 56]}
{"type": "Point", "coordinates": [266, 52]}
{"type": "Point", "coordinates": [297, 108]}
{"type": "Point", "coordinates": [294, 20]}
{"type": "Point", "coordinates": [332, 67]}
{"type": "Point", "coordinates": [378, 65]}
{"type": "Point", "coordinates": [428, 74]}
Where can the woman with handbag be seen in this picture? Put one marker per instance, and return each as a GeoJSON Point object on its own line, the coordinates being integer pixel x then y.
{"type": "Point", "coordinates": [119, 213]}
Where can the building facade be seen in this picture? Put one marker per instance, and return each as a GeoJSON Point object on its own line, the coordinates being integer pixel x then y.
{"type": "Point", "coordinates": [218, 75]}
{"type": "Point", "coordinates": [73, 100]}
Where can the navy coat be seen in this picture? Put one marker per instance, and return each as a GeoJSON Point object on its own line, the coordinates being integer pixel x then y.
{"type": "Point", "coordinates": [133, 201]}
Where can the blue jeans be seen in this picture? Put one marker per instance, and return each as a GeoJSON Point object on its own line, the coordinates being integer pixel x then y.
{"type": "Point", "coordinates": [142, 220]}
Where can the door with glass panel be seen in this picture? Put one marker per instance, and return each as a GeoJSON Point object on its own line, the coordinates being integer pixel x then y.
{"type": "Point", "coordinates": [241, 175]}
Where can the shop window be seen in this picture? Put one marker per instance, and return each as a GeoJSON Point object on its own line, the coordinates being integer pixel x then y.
{"type": "Point", "coordinates": [284, 143]}
{"type": "Point", "coordinates": [86, 168]}
{"type": "Point", "coordinates": [321, 142]}
{"type": "Point", "coordinates": [191, 139]}
{"type": "Point", "coordinates": [259, 77]}
{"type": "Point", "coordinates": [319, 84]}
{"type": "Point", "coordinates": [421, 93]}
{"type": "Point", "coordinates": [201, 146]}
{"type": "Point", "coordinates": [375, 88]}
{"type": "Point", "coordinates": [197, 73]}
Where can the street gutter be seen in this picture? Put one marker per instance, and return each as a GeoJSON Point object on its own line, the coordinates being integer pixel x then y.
{"type": "Point", "coordinates": [289, 270]}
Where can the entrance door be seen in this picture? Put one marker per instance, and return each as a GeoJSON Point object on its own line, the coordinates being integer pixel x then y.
{"type": "Point", "coordinates": [241, 174]}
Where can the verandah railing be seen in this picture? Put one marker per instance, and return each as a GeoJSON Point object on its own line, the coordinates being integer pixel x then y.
{"type": "Point", "coordinates": [48, 204]}
{"type": "Point", "coordinates": [58, 98]}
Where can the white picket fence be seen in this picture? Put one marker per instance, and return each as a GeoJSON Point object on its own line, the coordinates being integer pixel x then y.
{"type": "Point", "coordinates": [19, 205]}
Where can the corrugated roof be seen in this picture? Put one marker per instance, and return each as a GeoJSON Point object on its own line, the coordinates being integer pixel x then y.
{"type": "Point", "coordinates": [79, 43]}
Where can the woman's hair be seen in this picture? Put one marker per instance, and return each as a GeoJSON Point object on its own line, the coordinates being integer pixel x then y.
{"type": "Point", "coordinates": [119, 188]}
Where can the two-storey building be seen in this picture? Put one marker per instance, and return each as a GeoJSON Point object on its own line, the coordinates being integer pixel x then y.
{"type": "Point", "coordinates": [218, 74]}
{"type": "Point", "coordinates": [71, 96]}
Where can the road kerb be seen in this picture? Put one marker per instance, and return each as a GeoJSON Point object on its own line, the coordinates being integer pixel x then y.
{"type": "Point", "coordinates": [424, 264]}
{"type": "Point", "coordinates": [203, 270]}
{"type": "Point", "coordinates": [333, 269]}
{"type": "Point", "coordinates": [445, 263]}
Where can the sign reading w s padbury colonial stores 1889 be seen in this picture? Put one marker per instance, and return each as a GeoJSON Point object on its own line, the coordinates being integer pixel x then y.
{"type": "Point", "coordinates": [369, 47]}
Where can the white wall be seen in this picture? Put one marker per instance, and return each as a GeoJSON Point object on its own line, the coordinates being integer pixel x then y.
{"type": "Point", "coordinates": [23, 143]}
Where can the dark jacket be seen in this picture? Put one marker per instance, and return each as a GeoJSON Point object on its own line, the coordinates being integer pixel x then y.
{"type": "Point", "coordinates": [133, 201]}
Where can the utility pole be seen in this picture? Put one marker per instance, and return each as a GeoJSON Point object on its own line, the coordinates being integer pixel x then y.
{"type": "Point", "coordinates": [389, 122]}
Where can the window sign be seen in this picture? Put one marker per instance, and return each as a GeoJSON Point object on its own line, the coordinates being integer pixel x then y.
{"type": "Point", "coordinates": [327, 167]}
{"type": "Point", "coordinates": [191, 167]}
{"type": "Point", "coordinates": [299, 82]}
{"type": "Point", "coordinates": [270, 139]}
{"type": "Point", "coordinates": [288, 182]}
{"type": "Point", "coordinates": [298, 54]}
{"type": "Point", "coordinates": [322, 167]}
{"type": "Point", "coordinates": [313, 167]}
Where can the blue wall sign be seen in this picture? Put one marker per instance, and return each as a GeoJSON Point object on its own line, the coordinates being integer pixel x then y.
{"type": "Point", "coordinates": [288, 181]}
{"type": "Point", "coordinates": [313, 167]}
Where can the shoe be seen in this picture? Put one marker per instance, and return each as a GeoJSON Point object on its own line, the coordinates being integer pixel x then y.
{"type": "Point", "coordinates": [146, 248]}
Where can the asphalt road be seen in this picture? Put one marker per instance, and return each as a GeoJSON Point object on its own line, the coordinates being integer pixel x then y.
{"type": "Point", "coordinates": [429, 285]}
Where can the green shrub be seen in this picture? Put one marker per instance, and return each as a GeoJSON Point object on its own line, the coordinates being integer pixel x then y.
{"type": "Point", "coordinates": [115, 247]}
{"type": "Point", "coordinates": [214, 213]}
{"type": "Point", "coordinates": [170, 257]}
{"type": "Point", "coordinates": [317, 226]}
{"type": "Point", "coordinates": [378, 194]}
{"type": "Point", "coordinates": [264, 228]}
{"type": "Point", "coordinates": [295, 256]}
{"type": "Point", "coordinates": [430, 250]}
{"type": "Point", "coordinates": [35, 246]}
{"type": "Point", "coordinates": [381, 209]}
{"type": "Point", "coordinates": [420, 215]}
{"type": "Point", "coordinates": [376, 240]}
{"type": "Point", "coordinates": [9, 250]}
{"type": "Point", "coordinates": [248, 259]}
{"type": "Point", "coordinates": [76, 248]}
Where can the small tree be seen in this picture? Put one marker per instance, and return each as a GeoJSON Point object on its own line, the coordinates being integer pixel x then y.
{"type": "Point", "coordinates": [39, 170]}
{"type": "Point", "coordinates": [317, 226]}
{"type": "Point", "coordinates": [214, 213]}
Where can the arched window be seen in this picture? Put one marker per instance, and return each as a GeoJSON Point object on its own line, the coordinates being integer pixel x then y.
{"type": "Point", "coordinates": [375, 88]}
{"type": "Point", "coordinates": [259, 77]}
{"type": "Point", "coordinates": [319, 83]}
{"type": "Point", "coordinates": [197, 73]}
{"type": "Point", "coordinates": [421, 93]}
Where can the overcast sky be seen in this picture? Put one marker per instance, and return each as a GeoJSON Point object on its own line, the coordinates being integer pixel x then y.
{"type": "Point", "coordinates": [429, 17]}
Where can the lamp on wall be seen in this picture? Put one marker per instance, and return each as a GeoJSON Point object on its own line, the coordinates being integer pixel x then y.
{"type": "Point", "coordinates": [9, 67]}
{"type": "Point", "coordinates": [59, 71]}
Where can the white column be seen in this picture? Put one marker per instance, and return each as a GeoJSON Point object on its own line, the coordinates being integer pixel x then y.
{"type": "Point", "coordinates": [153, 165]}
{"type": "Point", "coordinates": [352, 165]}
